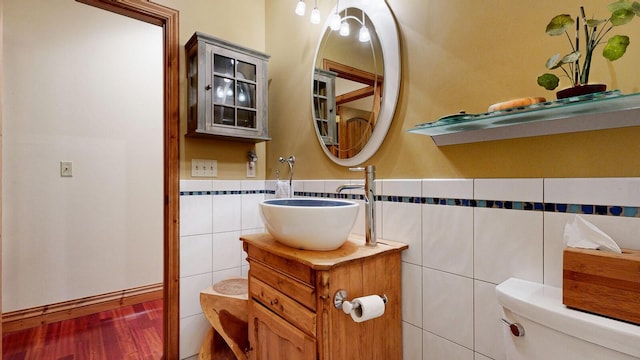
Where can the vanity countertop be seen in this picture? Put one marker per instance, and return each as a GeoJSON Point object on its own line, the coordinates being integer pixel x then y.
{"type": "Point", "coordinates": [354, 249]}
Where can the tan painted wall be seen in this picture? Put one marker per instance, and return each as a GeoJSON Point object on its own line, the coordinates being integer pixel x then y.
{"type": "Point", "coordinates": [241, 22]}
{"type": "Point", "coordinates": [456, 55]}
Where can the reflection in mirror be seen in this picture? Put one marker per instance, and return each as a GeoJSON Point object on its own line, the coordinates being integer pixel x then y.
{"type": "Point", "coordinates": [350, 84]}
{"type": "Point", "coordinates": [347, 85]}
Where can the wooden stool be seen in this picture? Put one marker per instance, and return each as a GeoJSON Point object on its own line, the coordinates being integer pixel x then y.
{"type": "Point", "coordinates": [225, 306]}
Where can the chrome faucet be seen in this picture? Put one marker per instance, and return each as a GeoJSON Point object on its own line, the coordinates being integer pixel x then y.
{"type": "Point", "coordinates": [369, 198]}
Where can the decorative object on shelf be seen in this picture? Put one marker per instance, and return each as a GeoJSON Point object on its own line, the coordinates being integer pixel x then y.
{"type": "Point", "coordinates": [605, 110]}
{"type": "Point", "coordinates": [622, 12]}
{"type": "Point", "coordinates": [515, 103]}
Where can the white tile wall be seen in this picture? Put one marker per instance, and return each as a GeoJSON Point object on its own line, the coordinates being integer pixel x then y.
{"type": "Point", "coordinates": [198, 213]}
{"type": "Point", "coordinates": [507, 243]}
{"type": "Point", "coordinates": [447, 301]}
{"type": "Point", "coordinates": [403, 221]}
{"type": "Point", "coordinates": [456, 254]}
{"type": "Point", "coordinates": [193, 329]}
{"type": "Point", "coordinates": [448, 248]}
{"type": "Point", "coordinates": [411, 342]}
{"type": "Point", "coordinates": [412, 295]}
{"type": "Point", "coordinates": [196, 255]}
{"type": "Point", "coordinates": [210, 249]}
{"type": "Point", "coordinates": [595, 191]}
{"type": "Point", "coordinates": [487, 324]}
{"type": "Point", "coordinates": [438, 348]}
{"type": "Point", "coordinates": [227, 250]}
{"type": "Point", "coordinates": [508, 189]}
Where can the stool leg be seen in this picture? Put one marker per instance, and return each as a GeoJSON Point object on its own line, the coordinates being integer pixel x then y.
{"type": "Point", "coordinates": [206, 349]}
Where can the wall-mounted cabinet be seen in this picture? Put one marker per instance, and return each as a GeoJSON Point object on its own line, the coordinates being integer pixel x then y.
{"type": "Point", "coordinates": [227, 90]}
{"type": "Point", "coordinates": [606, 110]}
{"type": "Point", "coordinates": [324, 106]}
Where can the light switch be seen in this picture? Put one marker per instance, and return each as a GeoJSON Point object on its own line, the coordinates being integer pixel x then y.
{"type": "Point", "coordinates": [204, 168]}
{"type": "Point", "coordinates": [66, 169]}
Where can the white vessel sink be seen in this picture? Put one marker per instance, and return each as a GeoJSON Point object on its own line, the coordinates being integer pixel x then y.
{"type": "Point", "coordinates": [309, 223]}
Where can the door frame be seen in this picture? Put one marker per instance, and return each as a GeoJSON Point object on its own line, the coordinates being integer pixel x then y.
{"type": "Point", "coordinates": [167, 18]}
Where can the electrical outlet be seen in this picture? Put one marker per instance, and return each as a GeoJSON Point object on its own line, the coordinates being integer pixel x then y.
{"type": "Point", "coordinates": [251, 169]}
{"type": "Point", "coordinates": [66, 169]}
{"type": "Point", "coordinates": [204, 168]}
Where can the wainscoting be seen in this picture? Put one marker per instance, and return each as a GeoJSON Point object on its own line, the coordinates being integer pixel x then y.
{"type": "Point", "coordinates": [47, 314]}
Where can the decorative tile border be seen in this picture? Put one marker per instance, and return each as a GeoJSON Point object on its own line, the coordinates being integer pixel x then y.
{"type": "Point", "coordinates": [587, 209]}
{"type": "Point", "coordinates": [225, 192]}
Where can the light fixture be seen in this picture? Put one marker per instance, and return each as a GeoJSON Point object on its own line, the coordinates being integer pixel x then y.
{"type": "Point", "coordinates": [344, 26]}
{"type": "Point", "coordinates": [335, 19]}
{"type": "Point", "coordinates": [315, 14]}
{"type": "Point", "coordinates": [300, 8]}
{"type": "Point", "coordinates": [364, 35]}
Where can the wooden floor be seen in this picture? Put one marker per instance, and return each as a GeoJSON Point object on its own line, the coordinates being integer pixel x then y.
{"type": "Point", "coordinates": [132, 332]}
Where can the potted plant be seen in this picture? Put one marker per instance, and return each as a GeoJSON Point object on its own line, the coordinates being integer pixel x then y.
{"type": "Point", "coordinates": [577, 64]}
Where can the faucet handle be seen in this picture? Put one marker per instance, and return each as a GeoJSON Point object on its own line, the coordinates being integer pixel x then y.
{"type": "Point", "coordinates": [359, 168]}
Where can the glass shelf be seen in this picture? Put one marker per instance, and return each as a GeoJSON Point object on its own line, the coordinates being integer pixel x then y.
{"type": "Point", "coordinates": [604, 110]}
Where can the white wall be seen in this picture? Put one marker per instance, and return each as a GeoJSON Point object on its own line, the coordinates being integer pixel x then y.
{"type": "Point", "coordinates": [82, 85]}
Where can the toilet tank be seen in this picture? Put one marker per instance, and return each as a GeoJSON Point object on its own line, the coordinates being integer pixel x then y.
{"type": "Point", "coordinates": [553, 331]}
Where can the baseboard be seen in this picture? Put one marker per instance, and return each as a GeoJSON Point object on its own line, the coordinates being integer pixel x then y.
{"type": "Point", "coordinates": [40, 315]}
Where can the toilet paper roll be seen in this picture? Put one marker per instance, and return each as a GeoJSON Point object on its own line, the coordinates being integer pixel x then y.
{"type": "Point", "coordinates": [367, 308]}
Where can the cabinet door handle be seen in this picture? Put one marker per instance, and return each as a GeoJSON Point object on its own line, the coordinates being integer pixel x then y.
{"type": "Point", "coordinates": [274, 302]}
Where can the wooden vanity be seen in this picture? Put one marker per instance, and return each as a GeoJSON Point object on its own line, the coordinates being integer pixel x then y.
{"type": "Point", "coordinates": [291, 300]}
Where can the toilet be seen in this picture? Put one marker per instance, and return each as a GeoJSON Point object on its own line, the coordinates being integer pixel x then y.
{"type": "Point", "coordinates": [225, 306]}
{"type": "Point", "coordinates": [553, 331]}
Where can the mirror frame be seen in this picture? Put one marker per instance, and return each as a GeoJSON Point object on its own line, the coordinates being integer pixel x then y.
{"type": "Point", "coordinates": [167, 18]}
{"type": "Point", "coordinates": [385, 26]}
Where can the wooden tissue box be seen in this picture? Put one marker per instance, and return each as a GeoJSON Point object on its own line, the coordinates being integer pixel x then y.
{"type": "Point", "coordinates": [603, 283]}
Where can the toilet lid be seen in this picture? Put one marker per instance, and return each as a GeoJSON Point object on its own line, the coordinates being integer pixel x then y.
{"type": "Point", "coordinates": [231, 287]}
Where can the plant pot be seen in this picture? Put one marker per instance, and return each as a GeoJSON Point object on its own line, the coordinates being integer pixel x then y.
{"type": "Point", "coordinates": [580, 90]}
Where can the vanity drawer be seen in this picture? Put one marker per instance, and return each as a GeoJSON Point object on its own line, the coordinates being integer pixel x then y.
{"type": "Point", "coordinates": [294, 289]}
{"type": "Point", "coordinates": [291, 267]}
{"type": "Point", "coordinates": [282, 305]}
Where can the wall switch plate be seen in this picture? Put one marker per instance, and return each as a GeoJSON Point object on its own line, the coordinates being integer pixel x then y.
{"type": "Point", "coordinates": [204, 168]}
{"type": "Point", "coordinates": [251, 169]}
{"type": "Point", "coordinates": [66, 169]}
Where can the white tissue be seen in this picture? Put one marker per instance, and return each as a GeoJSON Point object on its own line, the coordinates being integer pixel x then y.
{"type": "Point", "coordinates": [583, 234]}
{"type": "Point", "coordinates": [282, 189]}
{"type": "Point", "coordinates": [367, 308]}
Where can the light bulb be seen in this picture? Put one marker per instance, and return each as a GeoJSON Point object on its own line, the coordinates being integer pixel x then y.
{"type": "Point", "coordinates": [300, 8]}
{"type": "Point", "coordinates": [344, 28]}
{"type": "Point", "coordinates": [364, 35]}
{"type": "Point", "coordinates": [315, 16]}
{"type": "Point", "coordinates": [334, 21]}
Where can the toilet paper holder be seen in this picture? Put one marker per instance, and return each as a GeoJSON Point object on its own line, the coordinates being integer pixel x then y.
{"type": "Point", "coordinates": [340, 298]}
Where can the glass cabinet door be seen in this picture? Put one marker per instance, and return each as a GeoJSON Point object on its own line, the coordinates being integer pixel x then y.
{"type": "Point", "coordinates": [324, 101]}
{"type": "Point", "coordinates": [228, 89]}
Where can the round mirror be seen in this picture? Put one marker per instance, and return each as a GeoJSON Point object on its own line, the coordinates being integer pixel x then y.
{"type": "Point", "coordinates": [356, 80]}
